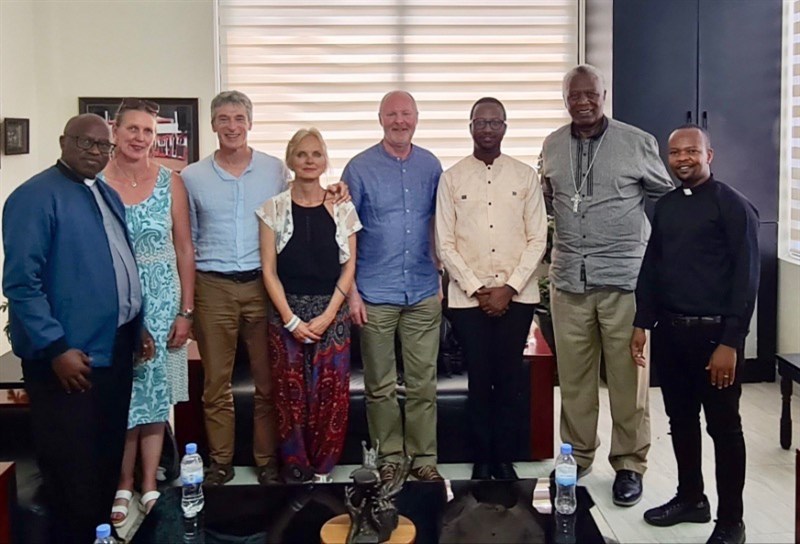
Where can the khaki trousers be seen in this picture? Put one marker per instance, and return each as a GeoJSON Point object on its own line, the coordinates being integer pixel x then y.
{"type": "Point", "coordinates": [418, 327]}
{"type": "Point", "coordinates": [224, 310]}
{"type": "Point", "coordinates": [585, 325]}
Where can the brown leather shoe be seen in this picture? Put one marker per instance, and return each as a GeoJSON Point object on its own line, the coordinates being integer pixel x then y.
{"type": "Point", "coordinates": [268, 473]}
{"type": "Point", "coordinates": [218, 474]}
{"type": "Point", "coordinates": [388, 471]}
{"type": "Point", "coordinates": [427, 473]}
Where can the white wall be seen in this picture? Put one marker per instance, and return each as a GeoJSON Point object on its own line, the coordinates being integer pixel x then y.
{"type": "Point", "coordinates": [17, 97]}
{"type": "Point", "coordinates": [53, 51]}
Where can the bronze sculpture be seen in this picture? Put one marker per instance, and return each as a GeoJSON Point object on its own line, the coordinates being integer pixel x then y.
{"type": "Point", "coordinates": [373, 515]}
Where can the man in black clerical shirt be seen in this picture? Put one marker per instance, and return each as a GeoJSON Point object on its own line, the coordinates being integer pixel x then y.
{"type": "Point", "coordinates": [698, 285]}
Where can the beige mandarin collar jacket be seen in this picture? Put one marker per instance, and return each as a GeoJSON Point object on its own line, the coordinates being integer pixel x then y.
{"type": "Point", "coordinates": [491, 228]}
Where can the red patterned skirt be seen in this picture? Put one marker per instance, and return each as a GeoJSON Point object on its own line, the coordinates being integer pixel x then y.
{"type": "Point", "coordinates": [312, 387]}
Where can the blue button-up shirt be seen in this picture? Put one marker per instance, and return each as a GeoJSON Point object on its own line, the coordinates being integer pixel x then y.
{"type": "Point", "coordinates": [396, 201]}
{"type": "Point", "coordinates": [222, 210]}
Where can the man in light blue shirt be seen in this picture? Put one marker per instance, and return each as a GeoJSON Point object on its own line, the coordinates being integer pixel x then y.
{"type": "Point", "coordinates": [393, 185]}
{"type": "Point", "coordinates": [230, 300]}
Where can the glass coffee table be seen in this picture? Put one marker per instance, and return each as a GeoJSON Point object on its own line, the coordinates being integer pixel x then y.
{"type": "Point", "coordinates": [296, 513]}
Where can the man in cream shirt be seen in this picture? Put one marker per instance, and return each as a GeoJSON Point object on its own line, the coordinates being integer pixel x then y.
{"type": "Point", "coordinates": [491, 232]}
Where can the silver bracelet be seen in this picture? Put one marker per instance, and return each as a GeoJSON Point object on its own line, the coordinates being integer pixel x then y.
{"type": "Point", "coordinates": [292, 324]}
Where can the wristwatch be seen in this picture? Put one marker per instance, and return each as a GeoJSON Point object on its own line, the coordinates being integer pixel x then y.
{"type": "Point", "coordinates": [187, 313]}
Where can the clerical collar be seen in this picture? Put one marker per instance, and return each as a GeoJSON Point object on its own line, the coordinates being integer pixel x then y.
{"type": "Point", "coordinates": [689, 191]}
{"type": "Point", "coordinates": [72, 174]}
{"type": "Point", "coordinates": [577, 135]}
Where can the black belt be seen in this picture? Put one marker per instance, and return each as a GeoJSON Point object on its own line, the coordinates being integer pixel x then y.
{"type": "Point", "coordinates": [678, 320]}
{"type": "Point", "coordinates": [238, 277]}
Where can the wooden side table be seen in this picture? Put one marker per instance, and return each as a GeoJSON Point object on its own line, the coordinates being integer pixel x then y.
{"type": "Point", "coordinates": [789, 370]}
{"type": "Point", "coordinates": [335, 531]}
{"type": "Point", "coordinates": [189, 417]}
{"type": "Point", "coordinates": [542, 364]}
{"type": "Point", "coordinates": [8, 499]}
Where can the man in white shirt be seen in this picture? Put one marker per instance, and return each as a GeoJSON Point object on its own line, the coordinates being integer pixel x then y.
{"type": "Point", "coordinates": [491, 232]}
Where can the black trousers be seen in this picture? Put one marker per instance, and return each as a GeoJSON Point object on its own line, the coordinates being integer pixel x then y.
{"type": "Point", "coordinates": [79, 440]}
{"type": "Point", "coordinates": [686, 387]}
{"type": "Point", "coordinates": [493, 349]}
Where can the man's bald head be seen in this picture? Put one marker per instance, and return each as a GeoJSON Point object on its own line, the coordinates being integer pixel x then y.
{"type": "Point", "coordinates": [79, 144]}
{"type": "Point", "coordinates": [79, 122]}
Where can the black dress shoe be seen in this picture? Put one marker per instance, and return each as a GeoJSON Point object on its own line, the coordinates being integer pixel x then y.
{"type": "Point", "coordinates": [679, 511]}
{"type": "Point", "coordinates": [627, 488]}
{"type": "Point", "coordinates": [481, 471]}
{"type": "Point", "coordinates": [728, 533]}
{"type": "Point", "coordinates": [504, 471]}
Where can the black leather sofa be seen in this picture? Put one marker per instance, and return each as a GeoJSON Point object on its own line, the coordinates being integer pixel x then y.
{"type": "Point", "coordinates": [452, 429]}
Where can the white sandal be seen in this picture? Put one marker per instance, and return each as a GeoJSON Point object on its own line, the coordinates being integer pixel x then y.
{"type": "Point", "coordinates": [146, 498]}
{"type": "Point", "coordinates": [121, 494]}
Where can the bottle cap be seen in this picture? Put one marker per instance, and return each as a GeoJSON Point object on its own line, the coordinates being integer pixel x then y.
{"type": "Point", "coordinates": [103, 531]}
{"type": "Point", "coordinates": [566, 449]}
{"type": "Point", "coordinates": [191, 448]}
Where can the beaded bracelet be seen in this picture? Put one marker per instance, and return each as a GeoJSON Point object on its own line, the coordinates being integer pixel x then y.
{"type": "Point", "coordinates": [292, 324]}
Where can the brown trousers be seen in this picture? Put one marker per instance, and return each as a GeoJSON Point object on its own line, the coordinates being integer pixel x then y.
{"type": "Point", "coordinates": [225, 310]}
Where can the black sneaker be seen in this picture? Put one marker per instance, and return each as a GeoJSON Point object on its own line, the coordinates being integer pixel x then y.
{"type": "Point", "coordinates": [295, 474]}
{"type": "Point", "coordinates": [679, 511]}
{"type": "Point", "coordinates": [728, 533]}
{"type": "Point", "coordinates": [504, 471]}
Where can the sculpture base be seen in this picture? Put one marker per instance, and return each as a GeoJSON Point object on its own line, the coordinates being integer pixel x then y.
{"type": "Point", "coordinates": [335, 531]}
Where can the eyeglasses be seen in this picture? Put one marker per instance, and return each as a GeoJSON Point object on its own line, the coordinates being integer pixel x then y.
{"type": "Point", "coordinates": [138, 104]}
{"type": "Point", "coordinates": [494, 124]}
{"type": "Point", "coordinates": [87, 143]}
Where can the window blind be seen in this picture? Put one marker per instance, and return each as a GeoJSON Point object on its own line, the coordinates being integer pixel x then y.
{"type": "Point", "coordinates": [794, 195]}
{"type": "Point", "coordinates": [328, 63]}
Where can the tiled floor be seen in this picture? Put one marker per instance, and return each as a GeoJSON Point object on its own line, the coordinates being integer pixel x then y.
{"type": "Point", "coordinates": [769, 490]}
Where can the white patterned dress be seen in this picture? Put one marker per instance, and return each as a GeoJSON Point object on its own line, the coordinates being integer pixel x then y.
{"type": "Point", "coordinates": [162, 381]}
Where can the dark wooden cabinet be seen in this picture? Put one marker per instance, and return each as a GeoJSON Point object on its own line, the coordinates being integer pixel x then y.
{"type": "Point", "coordinates": [716, 63]}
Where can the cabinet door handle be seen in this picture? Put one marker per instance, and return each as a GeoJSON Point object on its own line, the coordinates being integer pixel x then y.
{"type": "Point", "coordinates": [689, 117]}
{"type": "Point", "coordinates": [705, 120]}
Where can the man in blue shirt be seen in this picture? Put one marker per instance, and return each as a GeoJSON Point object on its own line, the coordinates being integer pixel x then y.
{"type": "Point", "coordinates": [224, 191]}
{"type": "Point", "coordinates": [74, 312]}
{"type": "Point", "coordinates": [393, 185]}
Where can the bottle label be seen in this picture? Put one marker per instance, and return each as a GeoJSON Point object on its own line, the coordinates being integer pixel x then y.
{"type": "Point", "coordinates": [191, 479]}
{"type": "Point", "coordinates": [566, 474]}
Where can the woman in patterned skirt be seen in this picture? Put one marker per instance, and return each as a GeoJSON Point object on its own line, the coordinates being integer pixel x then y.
{"type": "Point", "coordinates": [308, 249]}
{"type": "Point", "coordinates": [157, 217]}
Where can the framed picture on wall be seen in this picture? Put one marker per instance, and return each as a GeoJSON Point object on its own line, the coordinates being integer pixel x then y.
{"type": "Point", "coordinates": [16, 136]}
{"type": "Point", "coordinates": [177, 135]}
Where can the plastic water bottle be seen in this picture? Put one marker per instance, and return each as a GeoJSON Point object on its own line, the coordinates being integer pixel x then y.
{"type": "Point", "coordinates": [192, 500]}
{"type": "Point", "coordinates": [103, 535]}
{"type": "Point", "coordinates": [566, 481]}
